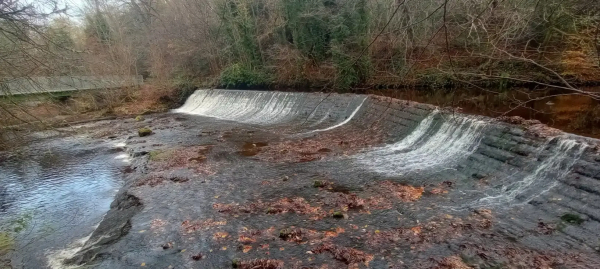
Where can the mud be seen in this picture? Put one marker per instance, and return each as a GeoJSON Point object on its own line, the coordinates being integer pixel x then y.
{"type": "Point", "coordinates": [426, 188]}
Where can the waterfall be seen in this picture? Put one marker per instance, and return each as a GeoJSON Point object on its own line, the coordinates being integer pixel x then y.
{"type": "Point", "coordinates": [348, 119]}
{"type": "Point", "coordinates": [269, 108]}
{"type": "Point", "coordinates": [545, 177]}
{"type": "Point", "coordinates": [427, 147]}
{"type": "Point", "coordinates": [252, 107]}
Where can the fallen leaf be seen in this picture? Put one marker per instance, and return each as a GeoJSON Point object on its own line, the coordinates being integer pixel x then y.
{"type": "Point", "coordinates": [246, 249]}
{"type": "Point", "coordinates": [219, 235]}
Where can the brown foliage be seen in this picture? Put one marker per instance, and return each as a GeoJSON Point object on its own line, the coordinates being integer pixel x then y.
{"type": "Point", "coordinates": [260, 264]}
{"type": "Point", "coordinates": [321, 145]}
{"type": "Point", "coordinates": [344, 254]}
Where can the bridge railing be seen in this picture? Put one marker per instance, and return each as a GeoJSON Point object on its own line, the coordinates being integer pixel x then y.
{"type": "Point", "coordinates": [34, 85]}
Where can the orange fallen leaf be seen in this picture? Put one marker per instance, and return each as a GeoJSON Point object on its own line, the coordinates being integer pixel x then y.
{"type": "Point", "coordinates": [219, 235]}
{"type": "Point", "coordinates": [246, 239]}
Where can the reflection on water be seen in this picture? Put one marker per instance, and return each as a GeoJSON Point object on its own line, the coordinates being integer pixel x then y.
{"type": "Point", "coordinates": [50, 197]}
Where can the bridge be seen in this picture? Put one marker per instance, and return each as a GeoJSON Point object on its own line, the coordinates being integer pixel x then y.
{"type": "Point", "coordinates": [37, 85]}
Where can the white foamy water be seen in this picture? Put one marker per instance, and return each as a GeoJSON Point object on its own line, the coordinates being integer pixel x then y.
{"type": "Point", "coordinates": [268, 108]}
{"type": "Point", "coordinates": [56, 258]}
{"type": "Point", "coordinates": [249, 107]}
{"type": "Point", "coordinates": [545, 177]}
{"type": "Point", "coordinates": [433, 145]}
{"type": "Point", "coordinates": [348, 119]}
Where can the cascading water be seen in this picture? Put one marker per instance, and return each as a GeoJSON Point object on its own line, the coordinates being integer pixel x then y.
{"type": "Point", "coordinates": [270, 108]}
{"type": "Point", "coordinates": [250, 107]}
{"type": "Point", "coordinates": [428, 147]}
{"type": "Point", "coordinates": [546, 176]}
{"type": "Point", "coordinates": [348, 119]}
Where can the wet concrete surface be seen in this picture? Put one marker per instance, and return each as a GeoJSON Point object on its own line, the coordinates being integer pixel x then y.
{"type": "Point", "coordinates": [393, 185]}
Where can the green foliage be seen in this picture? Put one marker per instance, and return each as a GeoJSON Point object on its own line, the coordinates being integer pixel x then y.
{"type": "Point", "coordinates": [552, 20]}
{"type": "Point", "coordinates": [332, 29]}
{"type": "Point", "coordinates": [350, 72]}
{"type": "Point", "coordinates": [307, 22]}
{"type": "Point", "coordinates": [239, 19]}
{"type": "Point", "coordinates": [243, 76]}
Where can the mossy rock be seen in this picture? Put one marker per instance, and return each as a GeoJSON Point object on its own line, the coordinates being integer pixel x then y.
{"type": "Point", "coordinates": [285, 233]}
{"type": "Point", "coordinates": [572, 218]}
{"type": "Point", "coordinates": [271, 210]}
{"type": "Point", "coordinates": [139, 118]}
{"type": "Point", "coordinates": [338, 215]}
{"type": "Point", "coordinates": [318, 184]}
{"type": "Point", "coordinates": [144, 132]}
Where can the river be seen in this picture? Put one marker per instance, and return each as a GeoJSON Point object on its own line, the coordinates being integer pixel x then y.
{"type": "Point", "coordinates": [52, 194]}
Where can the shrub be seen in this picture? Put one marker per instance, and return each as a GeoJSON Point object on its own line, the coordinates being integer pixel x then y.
{"type": "Point", "coordinates": [242, 76]}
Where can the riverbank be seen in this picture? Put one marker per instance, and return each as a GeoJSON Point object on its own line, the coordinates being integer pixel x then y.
{"type": "Point", "coordinates": [349, 181]}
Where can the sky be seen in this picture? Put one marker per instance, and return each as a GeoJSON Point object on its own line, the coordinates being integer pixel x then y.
{"type": "Point", "coordinates": [75, 6]}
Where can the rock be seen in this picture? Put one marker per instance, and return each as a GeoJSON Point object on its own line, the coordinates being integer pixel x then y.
{"type": "Point", "coordinates": [144, 132]}
{"type": "Point", "coordinates": [139, 118]}
{"type": "Point", "coordinates": [139, 153]}
{"type": "Point", "coordinates": [338, 215]}
{"type": "Point", "coordinates": [197, 257]}
{"type": "Point", "coordinates": [318, 184]}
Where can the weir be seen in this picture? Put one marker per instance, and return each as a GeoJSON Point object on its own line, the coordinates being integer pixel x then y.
{"type": "Point", "coordinates": [426, 145]}
{"type": "Point", "coordinates": [347, 179]}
